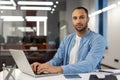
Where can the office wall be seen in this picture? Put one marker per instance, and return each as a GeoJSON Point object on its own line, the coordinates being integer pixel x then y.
{"type": "Point", "coordinates": [112, 55]}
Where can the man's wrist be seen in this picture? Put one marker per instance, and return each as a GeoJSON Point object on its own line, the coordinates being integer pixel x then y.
{"type": "Point", "coordinates": [59, 70]}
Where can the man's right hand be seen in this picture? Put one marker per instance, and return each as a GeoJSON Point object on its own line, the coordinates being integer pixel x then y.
{"type": "Point", "coordinates": [34, 66]}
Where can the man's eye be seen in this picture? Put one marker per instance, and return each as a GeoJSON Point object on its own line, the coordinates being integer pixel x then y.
{"type": "Point", "coordinates": [74, 18]}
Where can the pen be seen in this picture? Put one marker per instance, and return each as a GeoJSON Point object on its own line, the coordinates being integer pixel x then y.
{"type": "Point", "coordinates": [105, 71]}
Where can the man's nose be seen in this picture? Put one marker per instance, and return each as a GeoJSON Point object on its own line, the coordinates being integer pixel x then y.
{"type": "Point", "coordinates": [78, 21]}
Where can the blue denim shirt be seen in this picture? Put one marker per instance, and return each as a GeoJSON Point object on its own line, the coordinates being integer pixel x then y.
{"type": "Point", "coordinates": [91, 50]}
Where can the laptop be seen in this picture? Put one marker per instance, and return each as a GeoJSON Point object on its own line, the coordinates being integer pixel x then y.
{"type": "Point", "coordinates": [23, 64]}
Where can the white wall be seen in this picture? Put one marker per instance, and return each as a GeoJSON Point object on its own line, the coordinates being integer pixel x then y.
{"type": "Point", "coordinates": [113, 36]}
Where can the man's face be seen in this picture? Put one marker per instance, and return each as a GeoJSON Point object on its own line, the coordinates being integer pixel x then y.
{"type": "Point", "coordinates": [80, 20]}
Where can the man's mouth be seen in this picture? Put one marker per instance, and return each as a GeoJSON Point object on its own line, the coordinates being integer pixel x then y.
{"type": "Point", "coordinates": [79, 26]}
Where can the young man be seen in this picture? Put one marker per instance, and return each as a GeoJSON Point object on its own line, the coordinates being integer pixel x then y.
{"type": "Point", "coordinates": [79, 52]}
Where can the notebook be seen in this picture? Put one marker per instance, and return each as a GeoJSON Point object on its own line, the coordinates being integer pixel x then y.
{"type": "Point", "coordinates": [23, 64]}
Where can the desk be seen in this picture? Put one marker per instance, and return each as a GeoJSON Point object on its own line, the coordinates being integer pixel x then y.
{"type": "Point", "coordinates": [85, 76]}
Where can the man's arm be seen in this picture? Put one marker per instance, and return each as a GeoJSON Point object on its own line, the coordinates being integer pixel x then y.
{"type": "Point", "coordinates": [52, 66]}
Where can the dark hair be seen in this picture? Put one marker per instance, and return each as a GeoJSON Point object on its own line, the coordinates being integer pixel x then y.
{"type": "Point", "coordinates": [81, 8]}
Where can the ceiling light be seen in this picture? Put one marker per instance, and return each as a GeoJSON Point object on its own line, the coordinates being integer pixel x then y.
{"type": "Point", "coordinates": [54, 6]}
{"type": "Point", "coordinates": [8, 7]}
{"type": "Point", "coordinates": [57, 2]}
{"type": "Point", "coordinates": [53, 9]}
{"type": "Point", "coordinates": [35, 8]}
{"type": "Point", "coordinates": [1, 11]}
{"type": "Point", "coordinates": [8, 2]}
{"type": "Point", "coordinates": [95, 13]}
{"type": "Point", "coordinates": [51, 12]}
{"type": "Point", "coordinates": [5, 2]}
{"type": "Point", "coordinates": [36, 18]}
{"type": "Point", "coordinates": [63, 27]}
{"type": "Point", "coordinates": [12, 18]}
{"type": "Point", "coordinates": [13, 2]}
{"type": "Point", "coordinates": [109, 7]}
{"type": "Point", "coordinates": [35, 3]}
{"type": "Point", "coordinates": [26, 29]}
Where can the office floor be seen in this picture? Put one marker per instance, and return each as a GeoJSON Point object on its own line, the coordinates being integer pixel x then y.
{"type": "Point", "coordinates": [105, 67]}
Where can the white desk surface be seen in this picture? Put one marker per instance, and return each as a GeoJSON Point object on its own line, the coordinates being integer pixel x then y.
{"type": "Point", "coordinates": [84, 76]}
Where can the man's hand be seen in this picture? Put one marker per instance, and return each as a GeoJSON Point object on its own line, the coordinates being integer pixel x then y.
{"type": "Point", "coordinates": [34, 66]}
{"type": "Point", "coordinates": [41, 68]}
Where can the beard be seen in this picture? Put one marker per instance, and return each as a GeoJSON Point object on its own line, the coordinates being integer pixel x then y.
{"type": "Point", "coordinates": [81, 30]}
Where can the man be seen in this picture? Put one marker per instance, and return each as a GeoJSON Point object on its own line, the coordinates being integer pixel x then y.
{"type": "Point", "coordinates": [79, 52]}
